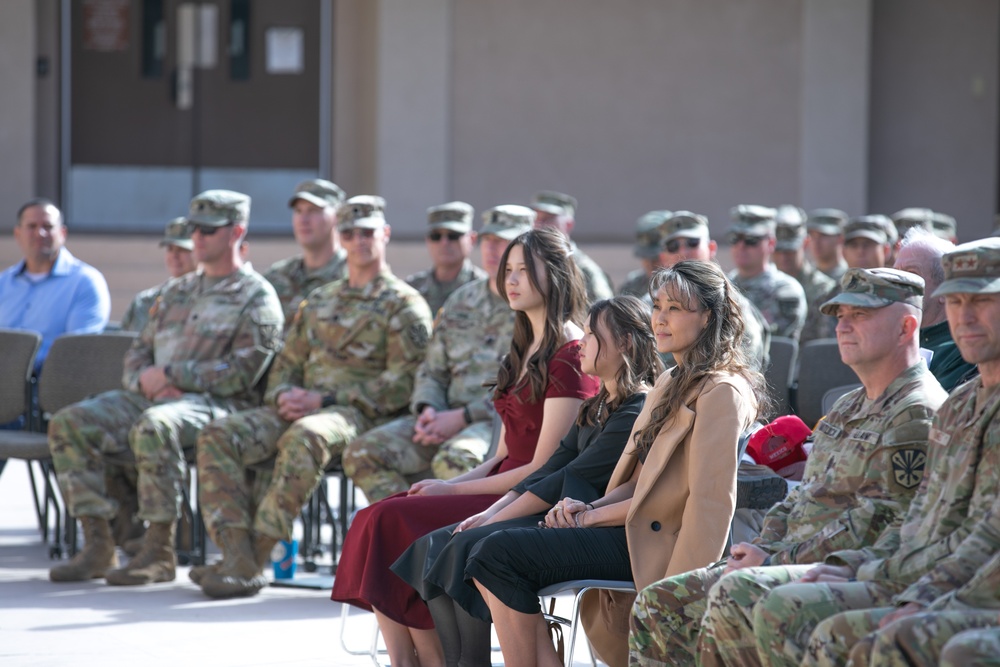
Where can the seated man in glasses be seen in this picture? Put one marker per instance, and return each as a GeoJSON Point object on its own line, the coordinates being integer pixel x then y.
{"type": "Point", "coordinates": [449, 242]}
{"type": "Point", "coordinates": [685, 236]}
{"type": "Point", "coordinates": [778, 296]}
{"type": "Point", "coordinates": [348, 365]}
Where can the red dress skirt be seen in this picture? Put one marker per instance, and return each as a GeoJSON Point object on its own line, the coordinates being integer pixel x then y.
{"type": "Point", "coordinates": [381, 532]}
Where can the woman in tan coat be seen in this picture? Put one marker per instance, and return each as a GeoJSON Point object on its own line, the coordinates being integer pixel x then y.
{"type": "Point", "coordinates": [672, 495]}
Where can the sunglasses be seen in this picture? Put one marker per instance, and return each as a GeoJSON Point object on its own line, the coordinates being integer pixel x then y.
{"type": "Point", "coordinates": [437, 236]}
{"type": "Point", "coordinates": [674, 245]}
{"type": "Point", "coordinates": [206, 230]}
{"type": "Point", "coordinates": [348, 234]}
{"type": "Point", "coordinates": [748, 241]}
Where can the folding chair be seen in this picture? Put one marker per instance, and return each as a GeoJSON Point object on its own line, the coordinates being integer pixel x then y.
{"type": "Point", "coordinates": [833, 395]}
{"type": "Point", "coordinates": [783, 353]}
{"type": "Point", "coordinates": [820, 369]}
{"type": "Point", "coordinates": [77, 366]}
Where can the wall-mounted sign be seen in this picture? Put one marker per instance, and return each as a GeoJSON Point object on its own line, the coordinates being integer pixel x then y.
{"type": "Point", "coordinates": [105, 25]}
{"type": "Point", "coordinates": [284, 48]}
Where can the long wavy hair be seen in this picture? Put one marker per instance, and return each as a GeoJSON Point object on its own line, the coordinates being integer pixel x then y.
{"type": "Point", "coordinates": [545, 250]}
{"type": "Point", "coordinates": [623, 320]}
{"type": "Point", "coordinates": [718, 349]}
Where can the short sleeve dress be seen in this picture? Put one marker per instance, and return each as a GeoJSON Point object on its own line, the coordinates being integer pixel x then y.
{"type": "Point", "coordinates": [381, 532]}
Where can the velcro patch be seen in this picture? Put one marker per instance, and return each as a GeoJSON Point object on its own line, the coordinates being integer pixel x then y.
{"type": "Point", "coordinates": [939, 437]}
{"type": "Point", "coordinates": [864, 436]}
{"type": "Point", "coordinates": [829, 429]}
{"type": "Point", "coordinates": [908, 467]}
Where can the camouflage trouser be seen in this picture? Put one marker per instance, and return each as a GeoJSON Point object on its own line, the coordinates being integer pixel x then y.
{"type": "Point", "coordinates": [666, 618]}
{"type": "Point", "coordinates": [122, 424]}
{"type": "Point", "coordinates": [972, 647]}
{"type": "Point", "coordinates": [227, 448]}
{"type": "Point", "coordinates": [785, 618]}
{"type": "Point", "coordinates": [914, 641]}
{"type": "Point", "coordinates": [844, 635]}
{"type": "Point", "coordinates": [380, 461]}
{"type": "Point", "coordinates": [727, 626]}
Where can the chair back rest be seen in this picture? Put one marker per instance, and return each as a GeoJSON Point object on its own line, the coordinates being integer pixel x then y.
{"type": "Point", "coordinates": [81, 365]}
{"type": "Point", "coordinates": [820, 369]}
{"type": "Point", "coordinates": [783, 355]}
{"type": "Point", "coordinates": [17, 359]}
{"type": "Point", "coordinates": [833, 395]}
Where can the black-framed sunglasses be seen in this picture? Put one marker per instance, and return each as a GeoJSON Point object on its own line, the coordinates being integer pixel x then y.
{"type": "Point", "coordinates": [674, 245]}
{"type": "Point", "coordinates": [363, 232]}
{"type": "Point", "coordinates": [207, 230]}
{"type": "Point", "coordinates": [748, 241]}
{"type": "Point", "coordinates": [437, 236]}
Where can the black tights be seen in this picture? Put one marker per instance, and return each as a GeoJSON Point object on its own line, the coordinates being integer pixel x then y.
{"type": "Point", "coordinates": [466, 639]}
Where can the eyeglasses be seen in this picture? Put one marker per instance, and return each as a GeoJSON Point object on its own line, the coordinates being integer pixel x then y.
{"type": "Point", "coordinates": [348, 234]}
{"type": "Point", "coordinates": [437, 236]}
{"type": "Point", "coordinates": [748, 241]}
{"type": "Point", "coordinates": [208, 230]}
{"type": "Point", "coordinates": [674, 245]}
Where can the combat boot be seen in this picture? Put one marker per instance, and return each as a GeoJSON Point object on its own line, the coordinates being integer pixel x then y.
{"type": "Point", "coordinates": [156, 562]}
{"type": "Point", "coordinates": [198, 572]}
{"type": "Point", "coordinates": [262, 547]}
{"type": "Point", "coordinates": [97, 556]}
{"type": "Point", "coordinates": [238, 575]}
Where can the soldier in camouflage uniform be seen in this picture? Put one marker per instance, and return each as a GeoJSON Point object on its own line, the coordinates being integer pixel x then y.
{"type": "Point", "coordinates": [347, 366]}
{"type": "Point", "coordinates": [953, 526]}
{"type": "Point", "coordinates": [558, 210]}
{"type": "Point", "coordinates": [948, 532]}
{"type": "Point", "coordinates": [685, 235]}
{"type": "Point", "coordinates": [179, 260]}
{"type": "Point", "coordinates": [790, 258]}
{"type": "Point", "coordinates": [778, 296]}
{"type": "Point", "coordinates": [647, 249]}
{"type": "Point", "coordinates": [314, 221]}
{"type": "Point", "coordinates": [825, 243]}
{"type": "Point", "coordinates": [209, 340]}
{"type": "Point", "coordinates": [449, 242]}
{"type": "Point", "coordinates": [945, 226]}
{"type": "Point", "coordinates": [450, 429]}
{"type": "Point", "coordinates": [867, 242]}
{"type": "Point", "coordinates": [856, 482]}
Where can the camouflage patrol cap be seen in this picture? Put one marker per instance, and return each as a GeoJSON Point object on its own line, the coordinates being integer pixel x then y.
{"type": "Point", "coordinates": [177, 234]}
{"type": "Point", "coordinates": [752, 220]}
{"type": "Point", "coordinates": [647, 234]}
{"type": "Point", "coordinates": [944, 226]}
{"type": "Point", "coordinates": [874, 227]}
{"type": "Point", "coordinates": [455, 215]}
{"type": "Point", "coordinates": [366, 211]}
{"type": "Point", "coordinates": [876, 288]}
{"type": "Point", "coordinates": [972, 268]}
{"type": "Point", "coordinates": [508, 221]}
{"type": "Point", "coordinates": [790, 227]}
{"type": "Point", "coordinates": [684, 224]}
{"type": "Point", "coordinates": [827, 221]}
{"type": "Point", "coordinates": [218, 208]}
{"type": "Point", "coordinates": [319, 192]}
{"type": "Point", "coordinates": [908, 218]}
{"type": "Point", "coordinates": [557, 203]}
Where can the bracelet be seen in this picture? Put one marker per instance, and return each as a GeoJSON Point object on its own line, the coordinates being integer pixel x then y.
{"type": "Point", "coordinates": [576, 518]}
{"type": "Point", "coordinates": [589, 506]}
{"type": "Point", "coordinates": [467, 415]}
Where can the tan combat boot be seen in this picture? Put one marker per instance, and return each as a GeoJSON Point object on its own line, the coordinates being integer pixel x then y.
{"type": "Point", "coordinates": [97, 556]}
{"type": "Point", "coordinates": [156, 562]}
{"type": "Point", "coordinates": [262, 547]}
{"type": "Point", "coordinates": [238, 575]}
{"type": "Point", "coordinates": [198, 572]}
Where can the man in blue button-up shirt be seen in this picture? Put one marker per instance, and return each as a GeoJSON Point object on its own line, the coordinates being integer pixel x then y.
{"type": "Point", "coordinates": [51, 291]}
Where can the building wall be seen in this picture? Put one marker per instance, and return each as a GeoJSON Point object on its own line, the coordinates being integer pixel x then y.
{"type": "Point", "coordinates": [17, 107]}
{"type": "Point", "coordinates": [631, 106]}
{"type": "Point", "coordinates": [934, 114]}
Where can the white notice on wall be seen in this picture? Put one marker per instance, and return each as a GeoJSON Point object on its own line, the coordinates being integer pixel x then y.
{"type": "Point", "coordinates": [284, 48]}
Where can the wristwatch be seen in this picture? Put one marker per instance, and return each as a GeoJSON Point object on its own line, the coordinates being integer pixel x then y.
{"type": "Point", "coordinates": [467, 415]}
{"type": "Point", "coordinates": [328, 400]}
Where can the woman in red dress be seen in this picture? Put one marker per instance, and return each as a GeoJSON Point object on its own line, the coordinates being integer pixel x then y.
{"type": "Point", "coordinates": [539, 391]}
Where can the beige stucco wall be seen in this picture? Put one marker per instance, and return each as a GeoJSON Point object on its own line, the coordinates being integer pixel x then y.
{"type": "Point", "coordinates": [631, 106]}
{"type": "Point", "coordinates": [17, 107]}
{"type": "Point", "coordinates": [934, 109]}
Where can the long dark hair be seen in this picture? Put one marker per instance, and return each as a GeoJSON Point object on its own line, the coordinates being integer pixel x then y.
{"type": "Point", "coordinates": [625, 320]}
{"type": "Point", "coordinates": [565, 300]}
{"type": "Point", "coordinates": [718, 349]}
